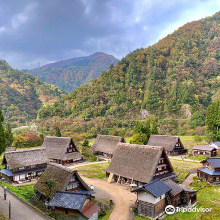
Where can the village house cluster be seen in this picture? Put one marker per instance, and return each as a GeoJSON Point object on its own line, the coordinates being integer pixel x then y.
{"type": "Point", "coordinates": [145, 169]}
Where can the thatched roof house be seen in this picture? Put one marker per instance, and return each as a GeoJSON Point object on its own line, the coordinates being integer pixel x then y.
{"type": "Point", "coordinates": [172, 144]}
{"type": "Point", "coordinates": [62, 150]}
{"type": "Point", "coordinates": [25, 158]}
{"type": "Point", "coordinates": [140, 163]}
{"type": "Point", "coordinates": [62, 176]}
{"type": "Point", "coordinates": [66, 193]}
{"type": "Point", "coordinates": [24, 165]}
{"type": "Point", "coordinates": [106, 144]}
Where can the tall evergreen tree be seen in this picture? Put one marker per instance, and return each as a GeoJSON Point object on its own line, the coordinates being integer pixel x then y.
{"type": "Point", "coordinates": [2, 134]}
{"type": "Point", "coordinates": [57, 132]}
{"type": "Point", "coordinates": [8, 134]}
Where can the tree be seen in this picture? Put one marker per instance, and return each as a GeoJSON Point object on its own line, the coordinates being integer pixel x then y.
{"type": "Point", "coordinates": [8, 134]}
{"type": "Point", "coordinates": [58, 132]}
{"type": "Point", "coordinates": [2, 134]}
{"type": "Point", "coordinates": [153, 122]}
{"type": "Point", "coordinates": [139, 139]}
{"type": "Point", "coordinates": [85, 143]}
{"type": "Point", "coordinates": [197, 138]}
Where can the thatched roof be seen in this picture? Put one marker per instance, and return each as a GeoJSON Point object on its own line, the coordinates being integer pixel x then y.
{"type": "Point", "coordinates": [166, 141]}
{"type": "Point", "coordinates": [136, 161]}
{"type": "Point", "coordinates": [61, 175]}
{"type": "Point", "coordinates": [23, 158]}
{"type": "Point", "coordinates": [57, 148]}
{"type": "Point", "coordinates": [106, 143]}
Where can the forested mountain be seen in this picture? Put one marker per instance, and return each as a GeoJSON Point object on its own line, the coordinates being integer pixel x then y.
{"type": "Point", "coordinates": [72, 73]}
{"type": "Point", "coordinates": [175, 79]}
{"type": "Point", "coordinates": [22, 94]}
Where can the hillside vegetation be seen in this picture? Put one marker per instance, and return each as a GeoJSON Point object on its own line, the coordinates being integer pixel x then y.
{"type": "Point", "coordinates": [175, 79]}
{"type": "Point", "coordinates": [72, 73]}
{"type": "Point", "coordinates": [21, 94]}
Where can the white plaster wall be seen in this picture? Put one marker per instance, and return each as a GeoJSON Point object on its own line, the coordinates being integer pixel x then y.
{"type": "Point", "coordinates": [147, 197]}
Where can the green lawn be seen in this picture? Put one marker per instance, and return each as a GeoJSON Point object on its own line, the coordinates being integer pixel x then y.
{"type": "Point", "coordinates": [93, 171]}
{"type": "Point", "coordinates": [181, 174]}
{"type": "Point", "coordinates": [24, 192]}
{"type": "Point", "coordinates": [185, 165]}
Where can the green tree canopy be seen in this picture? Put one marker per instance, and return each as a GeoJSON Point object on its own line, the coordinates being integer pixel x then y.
{"type": "Point", "coordinates": [2, 134]}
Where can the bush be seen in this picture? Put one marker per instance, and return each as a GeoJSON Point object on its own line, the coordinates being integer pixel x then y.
{"type": "Point", "coordinates": [139, 139]}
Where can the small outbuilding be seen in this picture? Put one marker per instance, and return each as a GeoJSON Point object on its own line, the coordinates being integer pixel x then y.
{"type": "Point", "coordinates": [62, 150]}
{"type": "Point", "coordinates": [152, 198]}
{"type": "Point", "coordinates": [24, 165]}
{"type": "Point", "coordinates": [210, 172]}
{"type": "Point", "coordinates": [172, 144]}
{"type": "Point", "coordinates": [216, 145]}
{"type": "Point", "coordinates": [105, 145]}
{"type": "Point", "coordinates": [204, 150]}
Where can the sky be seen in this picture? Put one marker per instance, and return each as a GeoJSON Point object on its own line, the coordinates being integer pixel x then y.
{"type": "Point", "coordinates": [46, 31]}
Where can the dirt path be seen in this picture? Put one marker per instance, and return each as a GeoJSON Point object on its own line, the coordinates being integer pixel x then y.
{"type": "Point", "coordinates": [85, 164]}
{"type": "Point", "coordinates": [188, 180]}
{"type": "Point", "coordinates": [123, 199]}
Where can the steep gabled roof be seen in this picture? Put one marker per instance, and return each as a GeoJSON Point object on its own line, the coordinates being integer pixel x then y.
{"type": "Point", "coordinates": [203, 147]}
{"type": "Point", "coordinates": [166, 141]}
{"type": "Point", "coordinates": [156, 188]}
{"type": "Point", "coordinates": [57, 148]}
{"type": "Point", "coordinates": [136, 161]}
{"type": "Point", "coordinates": [61, 175]}
{"type": "Point", "coordinates": [106, 143]}
{"type": "Point", "coordinates": [23, 158]}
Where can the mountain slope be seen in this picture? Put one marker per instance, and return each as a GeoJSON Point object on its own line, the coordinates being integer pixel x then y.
{"type": "Point", "coordinates": [72, 73]}
{"type": "Point", "coordinates": [21, 94]}
{"type": "Point", "coordinates": [175, 80]}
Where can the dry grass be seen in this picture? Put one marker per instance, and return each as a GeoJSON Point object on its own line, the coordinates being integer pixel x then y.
{"type": "Point", "coordinates": [185, 165]}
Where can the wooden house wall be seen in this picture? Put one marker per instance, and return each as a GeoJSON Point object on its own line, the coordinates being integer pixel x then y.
{"type": "Point", "coordinates": [151, 210]}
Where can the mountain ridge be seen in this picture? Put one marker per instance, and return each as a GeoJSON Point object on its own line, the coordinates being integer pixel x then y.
{"type": "Point", "coordinates": [71, 73]}
{"type": "Point", "coordinates": [21, 94]}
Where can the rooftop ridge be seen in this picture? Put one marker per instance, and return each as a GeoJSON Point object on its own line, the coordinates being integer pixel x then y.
{"type": "Point", "coordinates": [26, 150]}
{"type": "Point", "coordinates": [58, 137]}
{"type": "Point", "coordinates": [62, 167]}
{"type": "Point", "coordinates": [141, 146]}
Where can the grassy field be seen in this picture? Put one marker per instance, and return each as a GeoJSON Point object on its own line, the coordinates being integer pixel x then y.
{"type": "Point", "coordinates": [24, 192]}
{"type": "Point", "coordinates": [93, 171]}
{"type": "Point", "coordinates": [181, 174]}
{"type": "Point", "coordinates": [184, 165]}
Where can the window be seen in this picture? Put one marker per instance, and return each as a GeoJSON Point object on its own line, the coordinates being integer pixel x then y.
{"type": "Point", "coordinates": [66, 211]}
{"type": "Point", "coordinates": [21, 168]}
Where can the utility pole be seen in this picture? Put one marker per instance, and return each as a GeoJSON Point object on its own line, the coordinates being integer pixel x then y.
{"type": "Point", "coordinates": [5, 192]}
{"type": "Point", "coordinates": [9, 210]}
